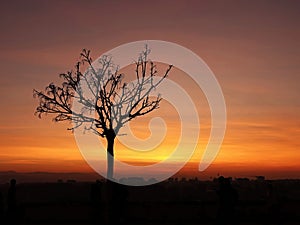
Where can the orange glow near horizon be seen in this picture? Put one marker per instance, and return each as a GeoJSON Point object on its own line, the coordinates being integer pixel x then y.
{"type": "Point", "coordinates": [264, 142]}
{"type": "Point", "coordinates": [248, 142]}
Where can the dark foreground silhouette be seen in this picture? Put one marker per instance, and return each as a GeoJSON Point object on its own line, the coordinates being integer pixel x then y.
{"type": "Point", "coordinates": [228, 199]}
{"type": "Point", "coordinates": [176, 201]}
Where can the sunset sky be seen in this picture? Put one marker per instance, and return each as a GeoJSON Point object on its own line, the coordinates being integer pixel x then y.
{"type": "Point", "coordinates": [252, 47]}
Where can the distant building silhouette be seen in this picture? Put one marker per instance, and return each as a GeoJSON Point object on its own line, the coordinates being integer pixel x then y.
{"type": "Point", "coordinates": [260, 178]}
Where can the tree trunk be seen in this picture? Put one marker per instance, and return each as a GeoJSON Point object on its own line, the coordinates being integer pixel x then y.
{"type": "Point", "coordinates": [109, 192]}
{"type": "Point", "coordinates": [110, 138]}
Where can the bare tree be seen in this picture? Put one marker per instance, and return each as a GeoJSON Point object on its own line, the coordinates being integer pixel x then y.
{"type": "Point", "coordinates": [114, 101]}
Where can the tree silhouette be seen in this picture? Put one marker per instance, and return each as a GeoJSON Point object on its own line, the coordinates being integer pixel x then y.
{"type": "Point", "coordinates": [102, 91]}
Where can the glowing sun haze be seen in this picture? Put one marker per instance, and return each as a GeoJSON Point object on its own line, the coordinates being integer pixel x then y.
{"type": "Point", "coordinates": [252, 47]}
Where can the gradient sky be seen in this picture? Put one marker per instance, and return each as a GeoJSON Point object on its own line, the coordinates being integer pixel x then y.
{"type": "Point", "coordinates": [252, 47]}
